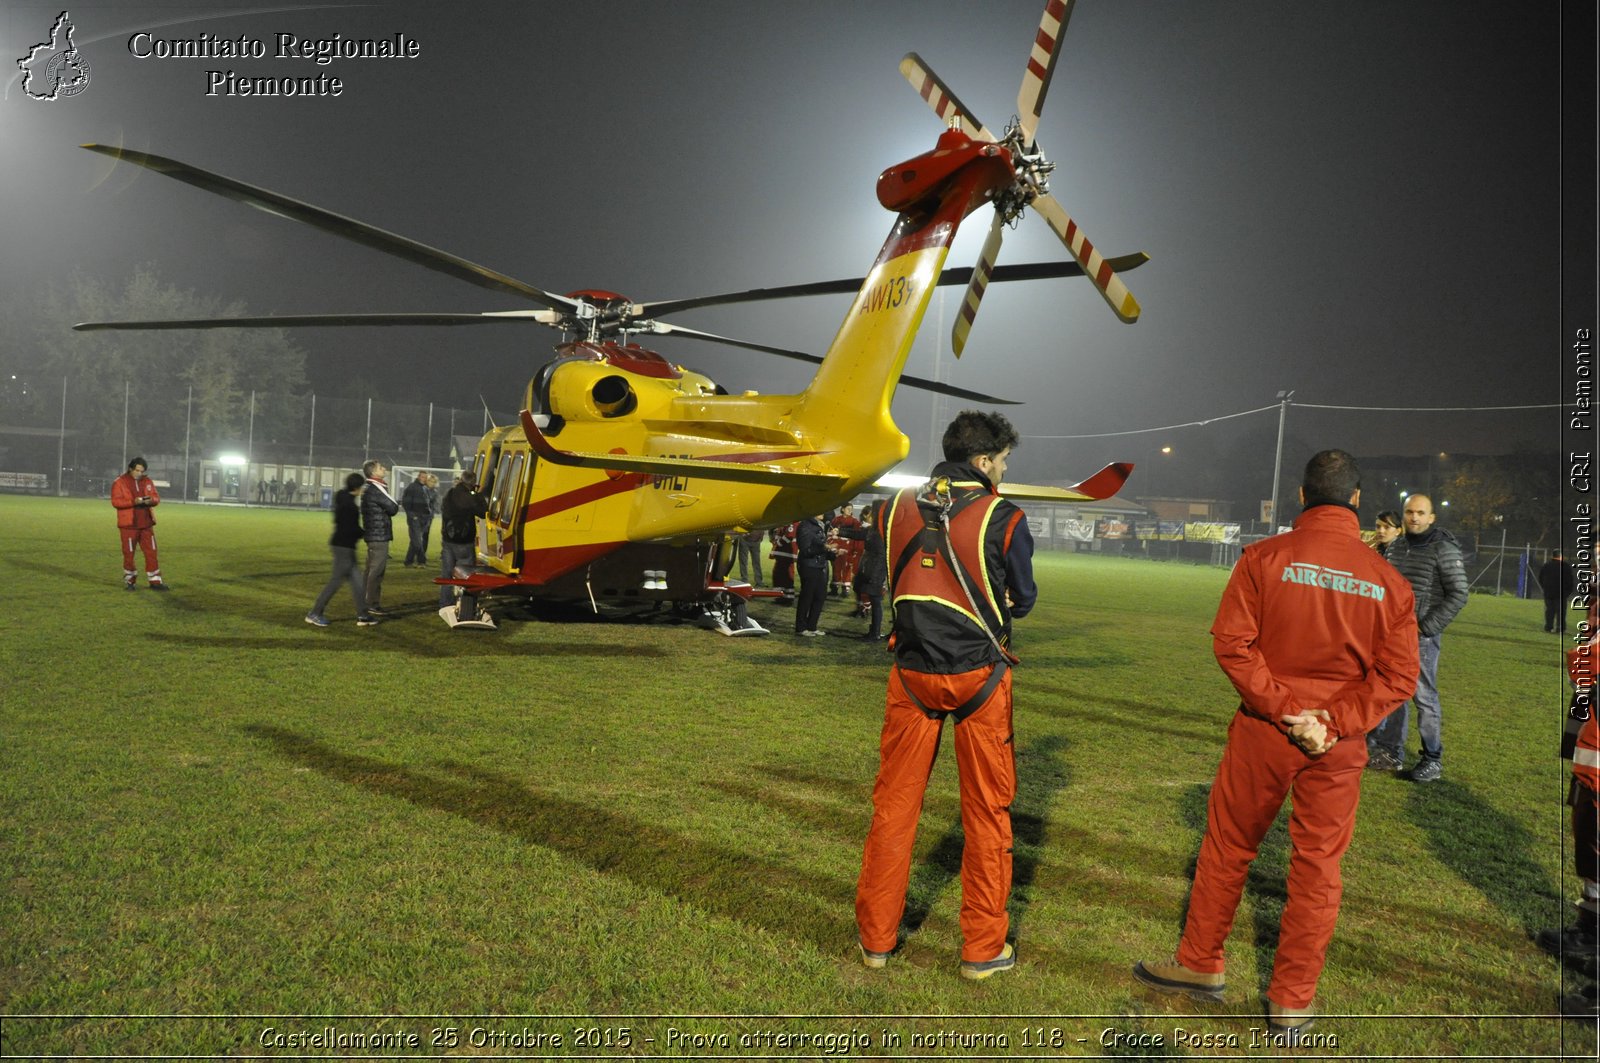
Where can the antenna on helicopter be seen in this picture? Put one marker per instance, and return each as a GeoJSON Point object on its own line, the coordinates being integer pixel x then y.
{"type": "Point", "coordinates": [486, 414]}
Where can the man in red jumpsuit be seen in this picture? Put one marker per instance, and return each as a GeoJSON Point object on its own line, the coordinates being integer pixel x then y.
{"type": "Point", "coordinates": [960, 569]}
{"type": "Point", "coordinates": [135, 497]}
{"type": "Point", "coordinates": [1316, 632]}
{"type": "Point", "coordinates": [849, 555]}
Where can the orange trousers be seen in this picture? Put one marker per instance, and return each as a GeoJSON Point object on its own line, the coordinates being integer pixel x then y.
{"type": "Point", "coordinates": [1260, 766]}
{"type": "Point", "coordinates": [986, 765]}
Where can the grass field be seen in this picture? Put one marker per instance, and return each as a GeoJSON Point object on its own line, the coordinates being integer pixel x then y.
{"type": "Point", "coordinates": [630, 835]}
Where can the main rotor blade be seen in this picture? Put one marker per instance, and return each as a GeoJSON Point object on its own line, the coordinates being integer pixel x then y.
{"type": "Point", "coordinates": [980, 281]}
{"type": "Point", "coordinates": [541, 317]}
{"type": "Point", "coordinates": [850, 285]}
{"type": "Point", "coordinates": [662, 328]}
{"type": "Point", "coordinates": [1041, 66]}
{"type": "Point", "coordinates": [337, 224]}
{"type": "Point", "coordinates": [940, 98]}
{"type": "Point", "coordinates": [1095, 267]}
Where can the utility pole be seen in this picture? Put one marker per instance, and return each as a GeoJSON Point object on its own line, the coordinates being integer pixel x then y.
{"type": "Point", "coordinates": [1277, 464]}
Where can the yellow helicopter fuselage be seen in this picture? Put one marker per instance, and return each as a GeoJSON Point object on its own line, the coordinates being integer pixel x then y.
{"type": "Point", "coordinates": [719, 464]}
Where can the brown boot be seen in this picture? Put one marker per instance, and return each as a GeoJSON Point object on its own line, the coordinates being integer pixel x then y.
{"type": "Point", "coordinates": [1171, 976]}
{"type": "Point", "coordinates": [1289, 1023]}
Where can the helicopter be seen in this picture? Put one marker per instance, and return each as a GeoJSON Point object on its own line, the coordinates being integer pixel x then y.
{"type": "Point", "coordinates": [627, 476]}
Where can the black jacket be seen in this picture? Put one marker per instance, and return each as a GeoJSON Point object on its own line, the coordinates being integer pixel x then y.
{"type": "Point", "coordinates": [1557, 580]}
{"type": "Point", "coordinates": [346, 521]}
{"type": "Point", "coordinates": [811, 542]}
{"type": "Point", "coordinates": [377, 509]}
{"type": "Point", "coordinates": [459, 511]}
{"type": "Point", "coordinates": [417, 499]}
{"type": "Point", "coordinates": [1438, 576]}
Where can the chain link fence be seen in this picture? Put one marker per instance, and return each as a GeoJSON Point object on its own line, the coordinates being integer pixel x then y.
{"type": "Point", "coordinates": [79, 447]}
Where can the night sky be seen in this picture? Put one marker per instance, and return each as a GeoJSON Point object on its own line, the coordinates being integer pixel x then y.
{"type": "Point", "coordinates": [1358, 201]}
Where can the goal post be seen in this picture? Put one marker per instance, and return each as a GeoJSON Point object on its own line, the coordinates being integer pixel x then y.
{"type": "Point", "coordinates": [401, 477]}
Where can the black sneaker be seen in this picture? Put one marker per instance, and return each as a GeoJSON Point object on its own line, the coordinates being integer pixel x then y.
{"type": "Point", "coordinates": [1576, 946]}
{"type": "Point", "coordinates": [1426, 771]}
{"type": "Point", "coordinates": [1383, 760]}
{"type": "Point", "coordinates": [159, 586]}
{"type": "Point", "coordinates": [1584, 1004]}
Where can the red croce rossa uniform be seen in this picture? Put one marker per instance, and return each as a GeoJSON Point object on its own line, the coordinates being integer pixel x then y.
{"type": "Point", "coordinates": [945, 664]}
{"type": "Point", "coordinates": [136, 524]}
{"type": "Point", "coordinates": [1311, 619]}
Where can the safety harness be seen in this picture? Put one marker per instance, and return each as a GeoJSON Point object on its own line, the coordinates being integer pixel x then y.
{"type": "Point", "coordinates": [936, 505]}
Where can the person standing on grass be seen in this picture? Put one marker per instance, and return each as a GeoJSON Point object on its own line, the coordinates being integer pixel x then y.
{"type": "Point", "coordinates": [135, 497]}
{"type": "Point", "coordinates": [783, 559]}
{"type": "Point", "coordinates": [873, 570]}
{"type": "Point", "coordinates": [1556, 580]}
{"type": "Point", "coordinates": [464, 505]}
{"type": "Point", "coordinates": [346, 533]}
{"type": "Point", "coordinates": [1317, 634]}
{"type": "Point", "coordinates": [812, 552]}
{"type": "Point", "coordinates": [418, 502]}
{"type": "Point", "coordinates": [846, 558]}
{"type": "Point", "coordinates": [377, 519]}
{"type": "Point", "coordinates": [1430, 558]}
{"type": "Point", "coordinates": [960, 570]}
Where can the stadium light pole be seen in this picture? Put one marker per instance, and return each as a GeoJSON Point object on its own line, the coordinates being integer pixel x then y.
{"type": "Point", "coordinates": [1277, 464]}
{"type": "Point", "coordinates": [61, 445]}
{"type": "Point", "coordinates": [126, 393]}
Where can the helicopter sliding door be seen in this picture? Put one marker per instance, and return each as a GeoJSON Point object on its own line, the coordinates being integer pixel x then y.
{"type": "Point", "coordinates": [508, 490]}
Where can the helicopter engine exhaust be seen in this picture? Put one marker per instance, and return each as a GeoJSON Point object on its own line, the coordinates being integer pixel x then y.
{"type": "Point", "coordinates": [613, 396]}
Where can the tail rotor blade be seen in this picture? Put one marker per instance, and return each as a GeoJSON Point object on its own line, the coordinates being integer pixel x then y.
{"type": "Point", "coordinates": [1041, 65]}
{"type": "Point", "coordinates": [980, 280]}
{"type": "Point", "coordinates": [940, 98]}
{"type": "Point", "coordinates": [1095, 266]}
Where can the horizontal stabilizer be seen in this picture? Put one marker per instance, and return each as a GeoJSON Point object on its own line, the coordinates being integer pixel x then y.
{"type": "Point", "coordinates": [1103, 484]}
{"type": "Point", "coordinates": [739, 468]}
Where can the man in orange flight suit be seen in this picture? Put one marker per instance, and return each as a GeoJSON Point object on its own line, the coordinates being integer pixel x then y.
{"type": "Point", "coordinates": [1316, 632]}
{"type": "Point", "coordinates": [952, 629]}
{"type": "Point", "coordinates": [134, 495]}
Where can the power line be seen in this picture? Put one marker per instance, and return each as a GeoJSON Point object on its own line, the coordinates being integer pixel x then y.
{"type": "Point", "coordinates": [1431, 409]}
{"type": "Point", "coordinates": [1309, 406]}
{"type": "Point", "coordinates": [1168, 428]}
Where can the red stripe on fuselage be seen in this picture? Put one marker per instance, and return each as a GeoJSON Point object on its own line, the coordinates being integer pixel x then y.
{"type": "Point", "coordinates": [630, 481]}
{"type": "Point", "coordinates": [594, 492]}
{"type": "Point", "coordinates": [550, 563]}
